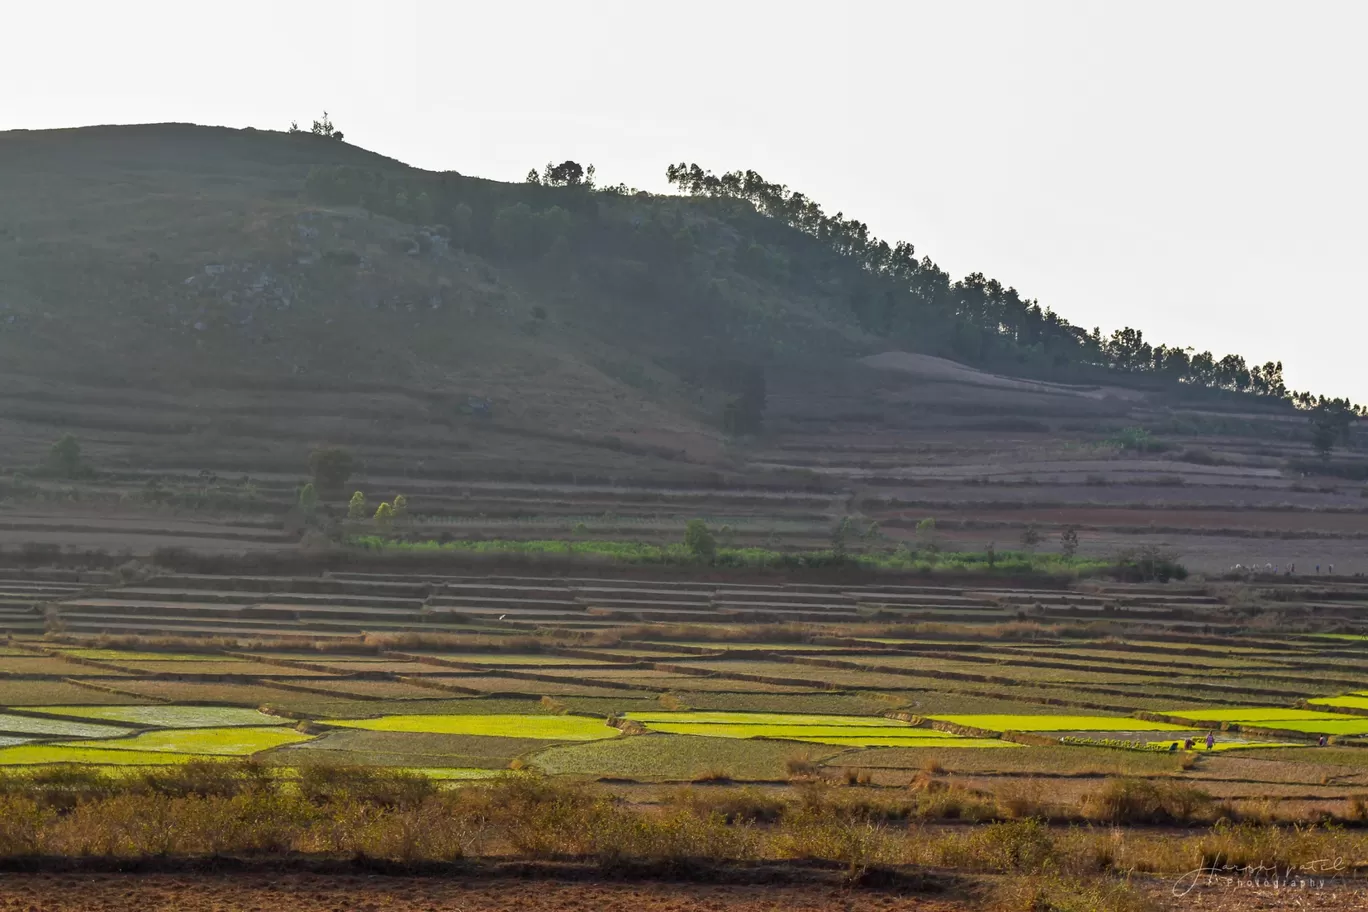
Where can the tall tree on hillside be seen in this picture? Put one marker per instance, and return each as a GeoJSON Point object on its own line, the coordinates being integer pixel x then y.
{"type": "Point", "coordinates": [331, 468]}
{"type": "Point", "coordinates": [1331, 420]}
{"type": "Point", "coordinates": [64, 458]}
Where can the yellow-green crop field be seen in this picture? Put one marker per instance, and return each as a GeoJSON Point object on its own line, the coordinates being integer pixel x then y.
{"type": "Point", "coordinates": [46, 754]}
{"type": "Point", "coordinates": [545, 728]}
{"type": "Point", "coordinates": [1043, 723]}
{"type": "Point", "coordinates": [1248, 715]}
{"type": "Point", "coordinates": [218, 742]}
{"type": "Point", "coordinates": [759, 718]}
{"type": "Point", "coordinates": [126, 655]}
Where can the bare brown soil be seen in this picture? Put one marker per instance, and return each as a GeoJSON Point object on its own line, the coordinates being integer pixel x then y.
{"type": "Point", "coordinates": [353, 893]}
{"type": "Point", "coordinates": [268, 892]}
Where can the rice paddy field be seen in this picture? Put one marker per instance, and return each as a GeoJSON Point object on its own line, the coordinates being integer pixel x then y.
{"type": "Point", "coordinates": [659, 701]}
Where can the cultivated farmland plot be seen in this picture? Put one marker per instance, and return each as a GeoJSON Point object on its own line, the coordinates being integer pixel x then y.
{"type": "Point", "coordinates": [835, 695]}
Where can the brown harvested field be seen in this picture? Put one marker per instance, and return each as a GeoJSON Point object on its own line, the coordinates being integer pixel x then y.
{"type": "Point", "coordinates": [236, 668]}
{"type": "Point", "coordinates": [136, 541]}
{"type": "Point", "coordinates": [217, 692]}
{"type": "Point", "coordinates": [380, 690]}
{"type": "Point", "coordinates": [355, 893]}
{"type": "Point", "coordinates": [58, 693]}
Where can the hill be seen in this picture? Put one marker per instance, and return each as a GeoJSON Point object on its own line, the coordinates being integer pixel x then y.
{"type": "Point", "coordinates": [198, 302]}
{"type": "Point", "coordinates": [178, 278]}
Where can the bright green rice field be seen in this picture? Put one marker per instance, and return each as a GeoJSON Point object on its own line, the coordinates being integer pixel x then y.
{"type": "Point", "coordinates": [547, 728]}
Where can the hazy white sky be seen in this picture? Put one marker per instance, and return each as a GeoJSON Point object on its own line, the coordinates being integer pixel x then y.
{"type": "Point", "coordinates": [1195, 170]}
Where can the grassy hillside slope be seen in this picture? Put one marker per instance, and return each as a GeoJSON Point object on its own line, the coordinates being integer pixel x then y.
{"type": "Point", "coordinates": [190, 298]}
{"type": "Point", "coordinates": [178, 281]}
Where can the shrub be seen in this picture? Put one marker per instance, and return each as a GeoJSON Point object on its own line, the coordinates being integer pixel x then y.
{"type": "Point", "coordinates": [331, 468]}
{"type": "Point", "coordinates": [308, 499]}
{"type": "Point", "coordinates": [323, 784]}
{"type": "Point", "coordinates": [22, 820]}
{"type": "Point", "coordinates": [1145, 801]}
{"type": "Point", "coordinates": [801, 766]}
{"type": "Point", "coordinates": [1138, 440]}
{"type": "Point", "coordinates": [64, 458]}
{"type": "Point", "coordinates": [1024, 846]}
{"type": "Point", "coordinates": [356, 508]}
{"type": "Point", "coordinates": [699, 541]}
{"type": "Point", "coordinates": [855, 844]}
{"type": "Point", "coordinates": [1199, 456]}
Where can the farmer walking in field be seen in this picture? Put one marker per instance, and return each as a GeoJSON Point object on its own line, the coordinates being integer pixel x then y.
{"type": "Point", "coordinates": [1211, 740]}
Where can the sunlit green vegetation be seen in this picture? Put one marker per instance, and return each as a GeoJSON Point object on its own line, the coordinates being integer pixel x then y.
{"type": "Point", "coordinates": [122, 655]}
{"type": "Point", "coordinates": [799, 732]}
{"type": "Point", "coordinates": [762, 718]}
{"type": "Point", "coordinates": [1249, 715]}
{"type": "Point", "coordinates": [41, 754]}
{"type": "Point", "coordinates": [1005, 563]}
{"type": "Point", "coordinates": [225, 742]}
{"type": "Point", "coordinates": [547, 728]}
{"type": "Point", "coordinates": [684, 757]}
{"type": "Point", "coordinates": [1033, 723]}
{"type": "Point", "coordinates": [1342, 726]}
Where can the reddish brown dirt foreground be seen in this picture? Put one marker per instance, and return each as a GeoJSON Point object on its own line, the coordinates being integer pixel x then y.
{"type": "Point", "coordinates": [353, 893]}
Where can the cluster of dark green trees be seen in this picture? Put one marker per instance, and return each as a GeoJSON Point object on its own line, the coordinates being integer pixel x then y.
{"type": "Point", "coordinates": [787, 241]}
{"type": "Point", "coordinates": [902, 295]}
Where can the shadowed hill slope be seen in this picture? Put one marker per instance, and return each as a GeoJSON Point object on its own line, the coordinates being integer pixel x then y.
{"type": "Point", "coordinates": [187, 297]}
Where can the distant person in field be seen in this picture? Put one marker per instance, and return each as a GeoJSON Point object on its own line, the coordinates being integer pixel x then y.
{"type": "Point", "coordinates": [1211, 740]}
{"type": "Point", "coordinates": [1320, 742]}
{"type": "Point", "coordinates": [1187, 744]}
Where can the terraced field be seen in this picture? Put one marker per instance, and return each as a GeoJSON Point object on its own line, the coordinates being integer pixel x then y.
{"type": "Point", "coordinates": [612, 679]}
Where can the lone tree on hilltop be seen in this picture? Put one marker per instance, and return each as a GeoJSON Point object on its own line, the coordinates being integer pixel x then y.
{"type": "Point", "coordinates": [322, 127]}
{"type": "Point", "coordinates": [331, 468]}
